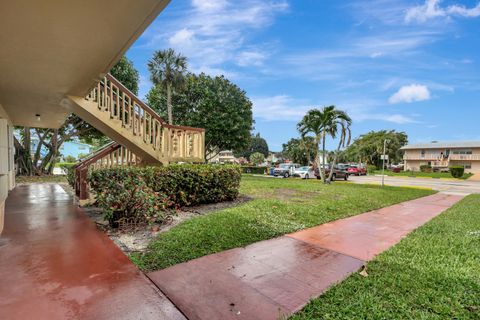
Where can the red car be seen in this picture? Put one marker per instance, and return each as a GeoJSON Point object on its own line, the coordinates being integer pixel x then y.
{"type": "Point", "coordinates": [357, 170]}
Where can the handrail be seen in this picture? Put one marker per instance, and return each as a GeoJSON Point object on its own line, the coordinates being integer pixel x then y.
{"type": "Point", "coordinates": [168, 141]}
{"type": "Point", "coordinates": [112, 154]}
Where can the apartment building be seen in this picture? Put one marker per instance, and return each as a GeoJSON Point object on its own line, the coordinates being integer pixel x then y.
{"type": "Point", "coordinates": [441, 155]}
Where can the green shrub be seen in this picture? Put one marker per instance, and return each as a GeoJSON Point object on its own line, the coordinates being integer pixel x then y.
{"type": "Point", "coordinates": [143, 194]}
{"type": "Point", "coordinates": [371, 169]}
{"type": "Point", "coordinates": [425, 168]}
{"type": "Point", "coordinates": [254, 170]}
{"type": "Point", "coordinates": [69, 169]}
{"type": "Point", "coordinates": [457, 171]}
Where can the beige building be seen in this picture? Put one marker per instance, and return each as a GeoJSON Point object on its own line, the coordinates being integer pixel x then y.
{"type": "Point", "coordinates": [225, 156]}
{"type": "Point", "coordinates": [441, 155]}
{"type": "Point", "coordinates": [54, 61]}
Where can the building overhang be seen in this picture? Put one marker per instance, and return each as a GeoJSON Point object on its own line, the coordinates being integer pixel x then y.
{"type": "Point", "coordinates": [51, 49]}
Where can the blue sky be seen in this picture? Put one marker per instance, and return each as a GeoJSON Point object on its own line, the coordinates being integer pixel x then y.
{"type": "Point", "coordinates": [411, 66]}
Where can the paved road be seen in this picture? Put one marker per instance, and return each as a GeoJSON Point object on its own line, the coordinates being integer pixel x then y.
{"type": "Point", "coordinates": [447, 186]}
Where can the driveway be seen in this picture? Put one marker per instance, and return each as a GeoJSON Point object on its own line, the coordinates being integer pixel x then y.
{"type": "Point", "coordinates": [461, 187]}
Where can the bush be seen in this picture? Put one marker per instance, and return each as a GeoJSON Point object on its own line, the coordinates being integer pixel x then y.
{"type": "Point", "coordinates": [257, 158]}
{"type": "Point", "coordinates": [457, 171]}
{"type": "Point", "coordinates": [371, 169]}
{"type": "Point", "coordinates": [69, 171]}
{"type": "Point", "coordinates": [255, 170]}
{"type": "Point", "coordinates": [143, 194]}
{"type": "Point", "coordinates": [425, 168]}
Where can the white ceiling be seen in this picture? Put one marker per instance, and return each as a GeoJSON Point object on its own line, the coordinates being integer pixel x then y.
{"type": "Point", "coordinates": [49, 49]}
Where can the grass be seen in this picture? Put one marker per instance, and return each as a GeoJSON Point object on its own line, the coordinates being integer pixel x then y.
{"type": "Point", "coordinates": [436, 175]}
{"type": "Point", "coordinates": [280, 206]}
{"type": "Point", "coordinates": [434, 273]}
{"type": "Point", "coordinates": [41, 179]}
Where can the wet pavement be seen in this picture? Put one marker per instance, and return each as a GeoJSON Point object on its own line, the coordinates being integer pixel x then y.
{"type": "Point", "coordinates": [451, 186]}
{"type": "Point", "coordinates": [274, 278]}
{"type": "Point", "coordinates": [55, 264]}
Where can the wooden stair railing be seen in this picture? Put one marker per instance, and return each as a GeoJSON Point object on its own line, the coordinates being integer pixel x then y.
{"type": "Point", "coordinates": [110, 155]}
{"type": "Point", "coordinates": [170, 142]}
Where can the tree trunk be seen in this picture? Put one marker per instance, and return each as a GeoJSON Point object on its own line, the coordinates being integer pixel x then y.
{"type": "Point", "coordinates": [169, 104]}
{"type": "Point", "coordinates": [323, 157]}
{"type": "Point", "coordinates": [53, 160]}
{"type": "Point", "coordinates": [334, 162]}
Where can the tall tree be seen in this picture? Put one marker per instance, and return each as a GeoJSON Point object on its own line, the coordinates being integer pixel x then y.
{"type": "Point", "coordinates": [125, 72]}
{"type": "Point", "coordinates": [256, 144]}
{"type": "Point", "coordinates": [300, 150]}
{"type": "Point", "coordinates": [342, 123]}
{"type": "Point", "coordinates": [167, 69]}
{"type": "Point", "coordinates": [212, 103]}
{"type": "Point", "coordinates": [369, 147]}
{"type": "Point", "coordinates": [323, 123]}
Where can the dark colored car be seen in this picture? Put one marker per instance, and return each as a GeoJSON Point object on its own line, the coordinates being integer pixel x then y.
{"type": "Point", "coordinates": [357, 170]}
{"type": "Point", "coordinates": [339, 172]}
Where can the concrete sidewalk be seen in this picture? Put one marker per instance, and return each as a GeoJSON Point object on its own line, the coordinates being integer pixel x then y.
{"type": "Point", "coordinates": [56, 264]}
{"type": "Point", "coordinates": [277, 277]}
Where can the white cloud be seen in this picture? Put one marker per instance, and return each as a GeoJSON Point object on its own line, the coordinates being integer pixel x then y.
{"type": "Point", "coordinates": [209, 5]}
{"type": "Point", "coordinates": [216, 32]}
{"type": "Point", "coordinates": [279, 108]}
{"type": "Point", "coordinates": [251, 58]}
{"type": "Point", "coordinates": [431, 9]}
{"type": "Point", "coordinates": [286, 108]}
{"type": "Point", "coordinates": [410, 93]}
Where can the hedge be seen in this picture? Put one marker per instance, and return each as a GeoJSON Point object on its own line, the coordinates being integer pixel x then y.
{"type": "Point", "coordinates": [254, 170]}
{"type": "Point", "coordinates": [425, 168]}
{"type": "Point", "coordinates": [69, 171]}
{"type": "Point", "coordinates": [144, 194]}
{"type": "Point", "coordinates": [457, 171]}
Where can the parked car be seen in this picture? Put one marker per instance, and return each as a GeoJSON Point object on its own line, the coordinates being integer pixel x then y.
{"type": "Point", "coordinates": [305, 172]}
{"type": "Point", "coordinates": [357, 170]}
{"type": "Point", "coordinates": [339, 172]}
{"type": "Point", "coordinates": [285, 169]}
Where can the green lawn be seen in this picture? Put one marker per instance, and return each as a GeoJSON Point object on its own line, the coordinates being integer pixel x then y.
{"type": "Point", "coordinates": [436, 175]}
{"type": "Point", "coordinates": [434, 273]}
{"type": "Point", "coordinates": [280, 206]}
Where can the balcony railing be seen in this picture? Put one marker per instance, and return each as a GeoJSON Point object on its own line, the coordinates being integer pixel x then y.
{"type": "Point", "coordinates": [465, 157]}
{"type": "Point", "coordinates": [427, 156]}
{"type": "Point", "coordinates": [110, 155]}
{"type": "Point", "coordinates": [175, 143]}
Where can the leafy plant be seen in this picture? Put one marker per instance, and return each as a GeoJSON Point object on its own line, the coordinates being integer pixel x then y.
{"type": "Point", "coordinates": [257, 158]}
{"type": "Point", "coordinates": [425, 168]}
{"type": "Point", "coordinates": [143, 194]}
{"type": "Point", "coordinates": [457, 171]}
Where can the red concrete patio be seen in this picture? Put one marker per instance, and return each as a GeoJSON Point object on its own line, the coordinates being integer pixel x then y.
{"type": "Point", "coordinates": [277, 277]}
{"type": "Point", "coordinates": [55, 264]}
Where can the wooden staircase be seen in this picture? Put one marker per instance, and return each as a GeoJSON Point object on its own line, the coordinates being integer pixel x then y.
{"type": "Point", "coordinates": [121, 115]}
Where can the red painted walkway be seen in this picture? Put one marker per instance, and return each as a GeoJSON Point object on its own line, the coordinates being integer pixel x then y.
{"type": "Point", "coordinates": [277, 277]}
{"type": "Point", "coordinates": [55, 264]}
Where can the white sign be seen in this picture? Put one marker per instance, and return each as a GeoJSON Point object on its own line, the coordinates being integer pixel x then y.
{"type": "Point", "coordinates": [384, 157]}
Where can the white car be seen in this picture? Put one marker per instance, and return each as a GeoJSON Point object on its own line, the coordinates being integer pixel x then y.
{"type": "Point", "coordinates": [305, 172]}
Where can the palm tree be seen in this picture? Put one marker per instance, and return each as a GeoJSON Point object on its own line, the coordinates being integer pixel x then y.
{"type": "Point", "coordinates": [167, 69]}
{"type": "Point", "coordinates": [343, 122]}
{"type": "Point", "coordinates": [318, 123]}
{"type": "Point", "coordinates": [323, 123]}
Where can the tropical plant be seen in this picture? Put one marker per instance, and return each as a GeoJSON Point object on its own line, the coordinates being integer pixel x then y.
{"type": "Point", "coordinates": [300, 150]}
{"type": "Point", "coordinates": [256, 144]}
{"type": "Point", "coordinates": [322, 123]}
{"type": "Point", "coordinates": [369, 147]}
{"type": "Point", "coordinates": [167, 69]}
{"type": "Point", "coordinates": [341, 123]}
{"type": "Point", "coordinates": [257, 158]}
{"type": "Point", "coordinates": [212, 103]}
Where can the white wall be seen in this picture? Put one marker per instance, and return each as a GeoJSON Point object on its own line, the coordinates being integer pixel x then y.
{"type": "Point", "coordinates": [7, 151]}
